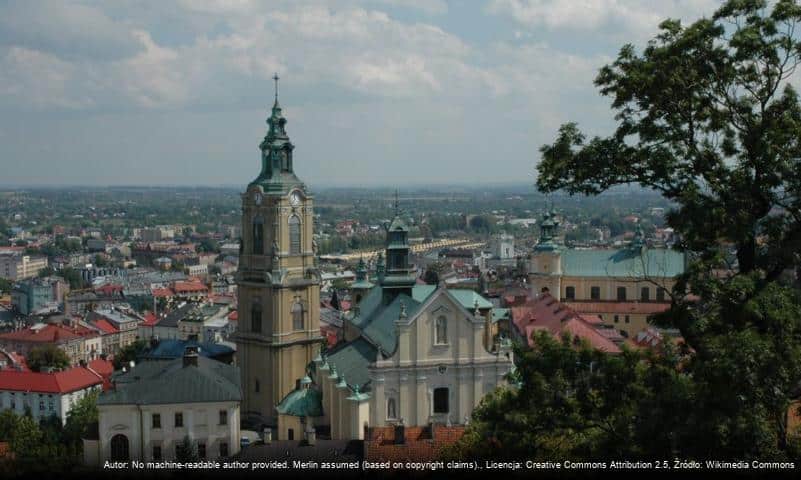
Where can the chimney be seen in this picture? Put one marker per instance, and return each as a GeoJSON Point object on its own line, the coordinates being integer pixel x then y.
{"type": "Point", "coordinates": [190, 356]}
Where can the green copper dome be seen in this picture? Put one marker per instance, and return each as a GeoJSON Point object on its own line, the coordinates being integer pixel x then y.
{"type": "Point", "coordinates": [303, 402]}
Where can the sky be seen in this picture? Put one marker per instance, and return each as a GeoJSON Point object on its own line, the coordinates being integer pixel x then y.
{"type": "Point", "coordinates": [375, 92]}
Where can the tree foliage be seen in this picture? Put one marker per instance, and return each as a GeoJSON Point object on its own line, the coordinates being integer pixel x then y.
{"type": "Point", "coordinates": [186, 450]}
{"type": "Point", "coordinates": [130, 352]}
{"type": "Point", "coordinates": [46, 356]}
{"type": "Point", "coordinates": [707, 118]}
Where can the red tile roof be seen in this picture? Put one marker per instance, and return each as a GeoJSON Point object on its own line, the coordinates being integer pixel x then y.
{"type": "Point", "coordinates": [66, 381]}
{"type": "Point", "coordinates": [419, 444]}
{"type": "Point", "coordinates": [544, 312]}
{"type": "Point", "coordinates": [150, 320]}
{"type": "Point", "coordinates": [48, 334]}
{"type": "Point", "coordinates": [647, 308]}
{"type": "Point", "coordinates": [109, 289]}
{"type": "Point", "coordinates": [186, 287]}
{"type": "Point", "coordinates": [163, 292]}
{"type": "Point", "coordinates": [106, 326]}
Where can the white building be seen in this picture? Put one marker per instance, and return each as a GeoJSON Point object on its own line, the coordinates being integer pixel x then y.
{"type": "Point", "coordinates": [15, 266]}
{"type": "Point", "coordinates": [155, 405]}
{"type": "Point", "coordinates": [45, 394]}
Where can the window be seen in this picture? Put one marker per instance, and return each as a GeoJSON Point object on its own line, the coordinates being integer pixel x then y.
{"type": "Point", "coordinates": [617, 318]}
{"type": "Point", "coordinates": [255, 318]}
{"type": "Point", "coordinates": [223, 449]}
{"type": "Point", "coordinates": [258, 236]}
{"type": "Point", "coordinates": [201, 450]}
{"type": "Point", "coordinates": [627, 319]}
{"type": "Point", "coordinates": [645, 294]}
{"type": "Point", "coordinates": [595, 293]}
{"type": "Point", "coordinates": [41, 405]}
{"type": "Point", "coordinates": [256, 386]}
{"type": "Point", "coordinates": [157, 452]}
{"type": "Point", "coordinates": [392, 411]}
{"type": "Point", "coordinates": [660, 294]}
{"type": "Point", "coordinates": [179, 419]}
{"type": "Point", "coordinates": [441, 331]}
{"type": "Point", "coordinates": [570, 293]}
{"type": "Point", "coordinates": [290, 434]}
{"type": "Point", "coordinates": [621, 294]}
{"type": "Point", "coordinates": [156, 420]}
{"type": "Point", "coordinates": [297, 315]}
{"type": "Point", "coordinates": [223, 417]}
{"type": "Point", "coordinates": [441, 400]}
{"type": "Point", "coordinates": [294, 235]}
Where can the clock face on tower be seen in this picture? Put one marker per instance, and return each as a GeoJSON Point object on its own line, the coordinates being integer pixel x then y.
{"type": "Point", "coordinates": [294, 198]}
{"type": "Point", "coordinates": [257, 198]}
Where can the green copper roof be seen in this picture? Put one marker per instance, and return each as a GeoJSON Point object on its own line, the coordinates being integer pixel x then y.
{"type": "Point", "coordinates": [398, 224]}
{"type": "Point", "coordinates": [352, 359]}
{"type": "Point", "coordinates": [468, 299]}
{"type": "Point", "coordinates": [277, 174]}
{"type": "Point", "coordinates": [500, 314]}
{"type": "Point", "coordinates": [626, 262]}
{"type": "Point", "coordinates": [302, 402]}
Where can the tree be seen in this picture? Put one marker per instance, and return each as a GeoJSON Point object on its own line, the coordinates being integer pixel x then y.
{"type": "Point", "coordinates": [707, 118]}
{"type": "Point", "coordinates": [79, 418]}
{"type": "Point", "coordinates": [47, 356]}
{"type": "Point", "coordinates": [432, 273]}
{"type": "Point", "coordinates": [186, 450]}
{"type": "Point", "coordinates": [130, 352]}
{"type": "Point", "coordinates": [579, 403]}
{"type": "Point", "coordinates": [46, 272]}
{"type": "Point", "coordinates": [6, 285]}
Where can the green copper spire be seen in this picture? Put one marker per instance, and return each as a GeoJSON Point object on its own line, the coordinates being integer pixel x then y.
{"type": "Point", "coordinates": [400, 275]}
{"type": "Point", "coordinates": [548, 232]}
{"type": "Point", "coordinates": [277, 174]}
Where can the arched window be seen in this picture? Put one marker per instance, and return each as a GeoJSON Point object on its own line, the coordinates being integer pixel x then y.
{"type": "Point", "coordinates": [294, 235]}
{"type": "Point", "coordinates": [255, 318]}
{"type": "Point", "coordinates": [297, 316]}
{"type": "Point", "coordinates": [392, 411]}
{"type": "Point", "coordinates": [258, 236]}
{"type": "Point", "coordinates": [119, 448]}
{"type": "Point", "coordinates": [441, 331]}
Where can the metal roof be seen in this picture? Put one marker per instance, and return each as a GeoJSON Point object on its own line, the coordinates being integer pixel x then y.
{"type": "Point", "coordinates": [626, 262]}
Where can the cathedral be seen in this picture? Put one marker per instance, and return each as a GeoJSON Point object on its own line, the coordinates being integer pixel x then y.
{"type": "Point", "coordinates": [411, 354]}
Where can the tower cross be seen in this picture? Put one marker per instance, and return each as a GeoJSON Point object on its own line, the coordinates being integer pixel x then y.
{"type": "Point", "coordinates": [396, 202]}
{"type": "Point", "coordinates": [275, 78]}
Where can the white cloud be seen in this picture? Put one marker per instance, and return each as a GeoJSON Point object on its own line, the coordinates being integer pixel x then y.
{"type": "Point", "coordinates": [619, 18]}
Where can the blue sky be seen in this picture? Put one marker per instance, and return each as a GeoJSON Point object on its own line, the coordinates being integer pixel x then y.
{"type": "Point", "coordinates": [378, 92]}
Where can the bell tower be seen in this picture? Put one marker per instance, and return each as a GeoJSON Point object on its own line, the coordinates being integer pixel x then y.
{"type": "Point", "coordinates": [545, 270]}
{"type": "Point", "coordinates": [278, 281]}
